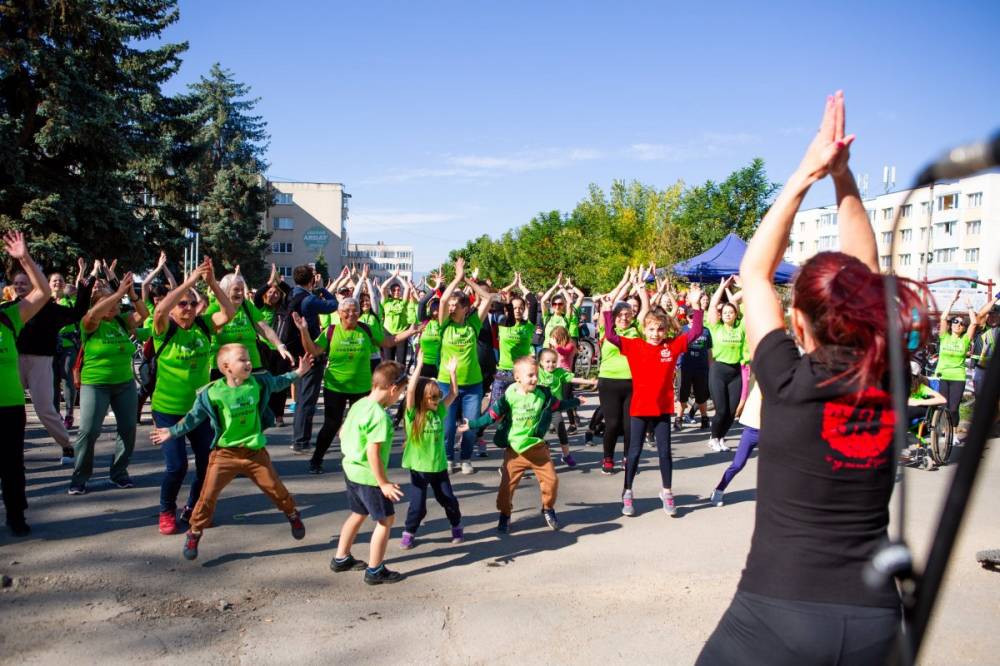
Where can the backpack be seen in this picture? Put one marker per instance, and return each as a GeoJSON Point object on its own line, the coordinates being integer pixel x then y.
{"type": "Point", "coordinates": [147, 369]}
{"type": "Point", "coordinates": [289, 334]}
{"type": "Point", "coordinates": [263, 351]}
{"type": "Point", "coordinates": [78, 363]}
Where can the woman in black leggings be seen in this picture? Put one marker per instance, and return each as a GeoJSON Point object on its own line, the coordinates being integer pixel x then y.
{"type": "Point", "coordinates": [725, 382]}
{"type": "Point", "coordinates": [614, 379]}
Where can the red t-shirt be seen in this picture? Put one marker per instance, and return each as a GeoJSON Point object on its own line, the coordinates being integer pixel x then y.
{"type": "Point", "coordinates": [652, 369]}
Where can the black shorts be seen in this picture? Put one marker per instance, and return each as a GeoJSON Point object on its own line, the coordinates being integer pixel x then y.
{"type": "Point", "coordinates": [696, 379]}
{"type": "Point", "coordinates": [368, 501]}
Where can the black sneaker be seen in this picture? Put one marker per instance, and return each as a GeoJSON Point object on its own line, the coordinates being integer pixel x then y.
{"type": "Point", "coordinates": [298, 449]}
{"type": "Point", "coordinates": [316, 469]}
{"type": "Point", "coordinates": [551, 519]}
{"type": "Point", "coordinates": [18, 527]}
{"type": "Point", "coordinates": [571, 428]}
{"type": "Point", "coordinates": [186, 514]}
{"type": "Point", "coordinates": [382, 575]}
{"type": "Point", "coordinates": [705, 423]}
{"type": "Point", "coordinates": [678, 424]}
{"type": "Point", "coordinates": [588, 438]}
{"type": "Point", "coordinates": [77, 489]}
{"type": "Point", "coordinates": [123, 483]}
{"type": "Point", "coordinates": [298, 529]}
{"type": "Point", "coordinates": [349, 563]}
{"type": "Point", "coordinates": [191, 545]}
{"type": "Point", "coordinates": [503, 525]}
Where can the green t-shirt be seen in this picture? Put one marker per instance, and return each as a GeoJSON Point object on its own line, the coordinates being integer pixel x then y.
{"type": "Point", "coordinates": [459, 340]}
{"type": "Point", "coordinates": [426, 453]}
{"type": "Point", "coordinates": [515, 342]}
{"type": "Point", "coordinates": [525, 415]}
{"type": "Point", "coordinates": [329, 319]}
{"type": "Point", "coordinates": [556, 380]}
{"type": "Point", "coordinates": [571, 322]}
{"type": "Point", "coordinates": [411, 313]}
{"type": "Point", "coordinates": [183, 367]}
{"type": "Point", "coordinates": [271, 317]}
{"type": "Point", "coordinates": [430, 342]}
{"type": "Point", "coordinates": [11, 390]}
{"type": "Point", "coordinates": [240, 329]}
{"type": "Point", "coordinates": [239, 414]}
{"type": "Point", "coordinates": [378, 332]}
{"type": "Point", "coordinates": [366, 423]}
{"type": "Point", "coordinates": [394, 311]}
{"type": "Point", "coordinates": [951, 357]}
{"type": "Point", "coordinates": [348, 369]}
{"type": "Point", "coordinates": [613, 364]}
{"type": "Point", "coordinates": [66, 333]}
{"type": "Point", "coordinates": [921, 392]}
{"type": "Point", "coordinates": [107, 355]}
{"type": "Point", "coordinates": [729, 343]}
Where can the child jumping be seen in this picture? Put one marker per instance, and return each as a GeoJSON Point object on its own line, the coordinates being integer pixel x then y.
{"type": "Point", "coordinates": [652, 362]}
{"type": "Point", "coordinates": [524, 413]}
{"type": "Point", "coordinates": [557, 380]}
{"type": "Point", "coordinates": [365, 442]}
{"type": "Point", "coordinates": [423, 452]}
{"type": "Point", "coordinates": [236, 406]}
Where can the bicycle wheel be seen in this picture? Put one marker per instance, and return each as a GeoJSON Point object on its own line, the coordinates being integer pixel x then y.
{"type": "Point", "coordinates": [942, 434]}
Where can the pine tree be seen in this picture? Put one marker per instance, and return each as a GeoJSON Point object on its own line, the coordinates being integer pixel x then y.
{"type": "Point", "coordinates": [229, 174]}
{"type": "Point", "coordinates": [87, 139]}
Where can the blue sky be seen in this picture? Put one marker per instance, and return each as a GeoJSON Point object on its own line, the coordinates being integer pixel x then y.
{"type": "Point", "coordinates": [447, 120]}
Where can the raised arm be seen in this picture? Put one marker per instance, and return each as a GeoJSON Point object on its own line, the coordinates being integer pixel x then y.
{"type": "Point", "coordinates": [308, 344]}
{"type": "Point", "coordinates": [640, 288]}
{"type": "Point", "coordinates": [610, 334]}
{"type": "Point", "coordinates": [411, 385]}
{"type": "Point", "coordinates": [547, 296]}
{"type": "Point", "coordinates": [450, 289]}
{"type": "Point", "coordinates": [767, 247]}
{"type": "Point", "coordinates": [484, 298]}
{"type": "Point", "coordinates": [973, 320]}
{"type": "Point", "coordinates": [713, 306]}
{"type": "Point", "coordinates": [943, 326]}
{"type": "Point", "coordinates": [141, 313]}
{"type": "Point", "coordinates": [226, 307]}
{"type": "Point", "coordinates": [422, 306]}
{"type": "Point", "coordinates": [40, 292]}
{"type": "Point", "coordinates": [857, 238]}
{"type": "Point", "coordinates": [161, 316]}
{"type": "Point", "coordinates": [697, 316]}
{"type": "Point", "coordinates": [452, 368]}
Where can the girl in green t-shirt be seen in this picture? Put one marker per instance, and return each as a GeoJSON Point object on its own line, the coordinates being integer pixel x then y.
{"type": "Point", "coordinates": [106, 381]}
{"type": "Point", "coordinates": [183, 339]}
{"type": "Point", "coordinates": [955, 335]}
{"type": "Point", "coordinates": [423, 451]}
{"type": "Point", "coordinates": [729, 351]}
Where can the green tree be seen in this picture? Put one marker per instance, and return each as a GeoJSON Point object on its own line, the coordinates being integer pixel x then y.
{"type": "Point", "coordinates": [228, 175]}
{"type": "Point", "coordinates": [80, 109]}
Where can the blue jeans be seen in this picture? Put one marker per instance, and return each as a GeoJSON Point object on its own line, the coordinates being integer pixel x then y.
{"type": "Point", "coordinates": [176, 459]}
{"type": "Point", "coordinates": [440, 484]}
{"type": "Point", "coordinates": [467, 403]}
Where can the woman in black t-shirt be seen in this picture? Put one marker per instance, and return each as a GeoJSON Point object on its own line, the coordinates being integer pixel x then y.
{"type": "Point", "coordinates": [826, 469]}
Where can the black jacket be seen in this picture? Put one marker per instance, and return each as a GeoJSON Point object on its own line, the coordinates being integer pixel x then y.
{"type": "Point", "coordinates": [40, 336]}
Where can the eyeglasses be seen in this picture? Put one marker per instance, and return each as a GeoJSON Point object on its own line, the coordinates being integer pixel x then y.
{"type": "Point", "coordinates": [186, 304]}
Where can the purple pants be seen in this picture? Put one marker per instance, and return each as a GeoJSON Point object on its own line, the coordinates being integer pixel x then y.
{"type": "Point", "coordinates": [748, 442]}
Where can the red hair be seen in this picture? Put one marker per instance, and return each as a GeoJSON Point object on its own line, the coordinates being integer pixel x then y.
{"type": "Point", "coordinates": [844, 302]}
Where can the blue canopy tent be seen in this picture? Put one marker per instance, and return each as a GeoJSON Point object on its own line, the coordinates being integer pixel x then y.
{"type": "Point", "coordinates": [723, 260]}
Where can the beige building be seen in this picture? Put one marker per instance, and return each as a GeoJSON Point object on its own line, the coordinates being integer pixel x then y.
{"type": "Point", "coordinates": [306, 221]}
{"type": "Point", "coordinates": [383, 260]}
{"type": "Point", "coordinates": [952, 229]}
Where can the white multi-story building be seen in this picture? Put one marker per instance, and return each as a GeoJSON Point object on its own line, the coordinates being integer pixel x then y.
{"type": "Point", "coordinates": [950, 229]}
{"type": "Point", "coordinates": [307, 221]}
{"type": "Point", "coordinates": [383, 260]}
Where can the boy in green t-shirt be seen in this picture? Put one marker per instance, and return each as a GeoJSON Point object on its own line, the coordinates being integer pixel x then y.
{"type": "Point", "coordinates": [524, 413]}
{"type": "Point", "coordinates": [235, 405]}
{"type": "Point", "coordinates": [365, 442]}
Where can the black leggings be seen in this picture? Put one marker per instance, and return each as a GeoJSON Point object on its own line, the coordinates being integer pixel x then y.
{"type": "Point", "coordinates": [396, 353]}
{"type": "Point", "coordinates": [640, 425]}
{"type": "Point", "coordinates": [952, 391]}
{"type": "Point", "coordinates": [778, 632]}
{"type": "Point", "coordinates": [12, 423]}
{"type": "Point", "coordinates": [616, 398]}
{"type": "Point", "coordinates": [335, 405]}
{"type": "Point", "coordinates": [725, 384]}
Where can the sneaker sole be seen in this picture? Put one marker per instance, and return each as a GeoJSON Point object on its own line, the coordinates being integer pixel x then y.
{"type": "Point", "coordinates": [381, 581]}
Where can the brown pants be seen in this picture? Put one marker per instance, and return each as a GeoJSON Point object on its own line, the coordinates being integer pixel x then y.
{"type": "Point", "coordinates": [224, 464]}
{"type": "Point", "coordinates": [514, 466]}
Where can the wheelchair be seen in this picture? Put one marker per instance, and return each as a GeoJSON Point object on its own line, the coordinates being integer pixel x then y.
{"type": "Point", "coordinates": [934, 434]}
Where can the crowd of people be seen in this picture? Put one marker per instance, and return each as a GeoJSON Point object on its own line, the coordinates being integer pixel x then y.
{"type": "Point", "coordinates": [220, 361]}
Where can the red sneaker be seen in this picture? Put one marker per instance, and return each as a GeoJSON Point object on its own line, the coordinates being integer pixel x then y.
{"type": "Point", "coordinates": [191, 545]}
{"type": "Point", "coordinates": [168, 522]}
{"type": "Point", "coordinates": [298, 529]}
{"type": "Point", "coordinates": [607, 467]}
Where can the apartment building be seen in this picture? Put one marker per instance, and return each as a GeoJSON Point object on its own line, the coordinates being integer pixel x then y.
{"type": "Point", "coordinates": [383, 260]}
{"type": "Point", "coordinates": [308, 220]}
{"type": "Point", "coordinates": [950, 229]}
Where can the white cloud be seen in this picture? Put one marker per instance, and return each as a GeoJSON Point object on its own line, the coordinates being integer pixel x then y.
{"type": "Point", "coordinates": [533, 160]}
{"type": "Point", "coordinates": [707, 145]}
{"type": "Point", "coordinates": [384, 219]}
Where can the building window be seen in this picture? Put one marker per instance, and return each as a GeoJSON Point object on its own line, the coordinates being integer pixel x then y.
{"type": "Point", "coordinates": [284, 223]}
{"type": "Point", "coordinates": [283, 198]}
{"type": "Point", "coordinates": [948, 228]}
{"type": "Point", "coordinates": [281, 248]}
{"type": "Point", "coordinates": [906, 235]}
{"type": "Point", "coordinates": [946, 254]}
{"type": "Point", "coordinates": [923, 233]}
{"type": "Point", "coordinates": [883, 261]}
{"type": "Point", "coordinates": [972, 255]}
{"type": "Point", "coordinates": [285, 271]}
{"type": "Point", "coordinates": [886, 237]}
{"type": "Point", "coordinates": [906, 210]}
{"type": "Point", "coordinates": [904, 260]}
{"type": "Point", "coordinates": [802, 226]}
{"type": "Point", "coordinates": [925, 207]}
{"type": "Point", "coordinates": [947, 202]}
{"type": "Point", "coordinates": [871, 216]}
{"type": "Point", "coordinates": [975, 200]}
{"type": "Point", "coordinates": [802, 247]}
{"type": "Point", "coordinates": [887, 213]}
{"type": "Point", "coordinates": [973, 228]}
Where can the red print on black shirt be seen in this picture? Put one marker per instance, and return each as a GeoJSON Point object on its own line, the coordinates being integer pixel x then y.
{"type": "Point", "coordinates": [859, 429]}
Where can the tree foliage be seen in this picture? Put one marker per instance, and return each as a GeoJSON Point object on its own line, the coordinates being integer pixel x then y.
{"type": "Point", "coordinates": [631, 224]}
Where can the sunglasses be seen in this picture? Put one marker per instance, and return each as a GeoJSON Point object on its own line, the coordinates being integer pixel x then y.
{"type": "Point", "coordinates": [958, 321]}
{"type": "Point", "coordinates": [186, 304]}
{"type": "Point", "coordinates": [557, 303]}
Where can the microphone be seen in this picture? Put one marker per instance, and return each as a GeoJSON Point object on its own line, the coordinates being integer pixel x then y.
{"type": "Point", "coordinates": [963, 161]}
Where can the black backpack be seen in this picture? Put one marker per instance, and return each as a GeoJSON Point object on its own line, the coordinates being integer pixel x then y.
{"type": "Point", "coordinates": [289, 334]}
{"type": "Point", "coordinates": [147, 369]}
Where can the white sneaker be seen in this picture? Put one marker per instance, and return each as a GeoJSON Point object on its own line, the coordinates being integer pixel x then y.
{"type": "Point", "coordinates": [722, 444]}
{"type": "Point", "coordinates": [717, 497]}
{"type": "Point", "coordinates": [452, 466]}
{"type": "Point", "coordinates": [467, 467]}
{"type": "Point", "coordinates": [713, 444]}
